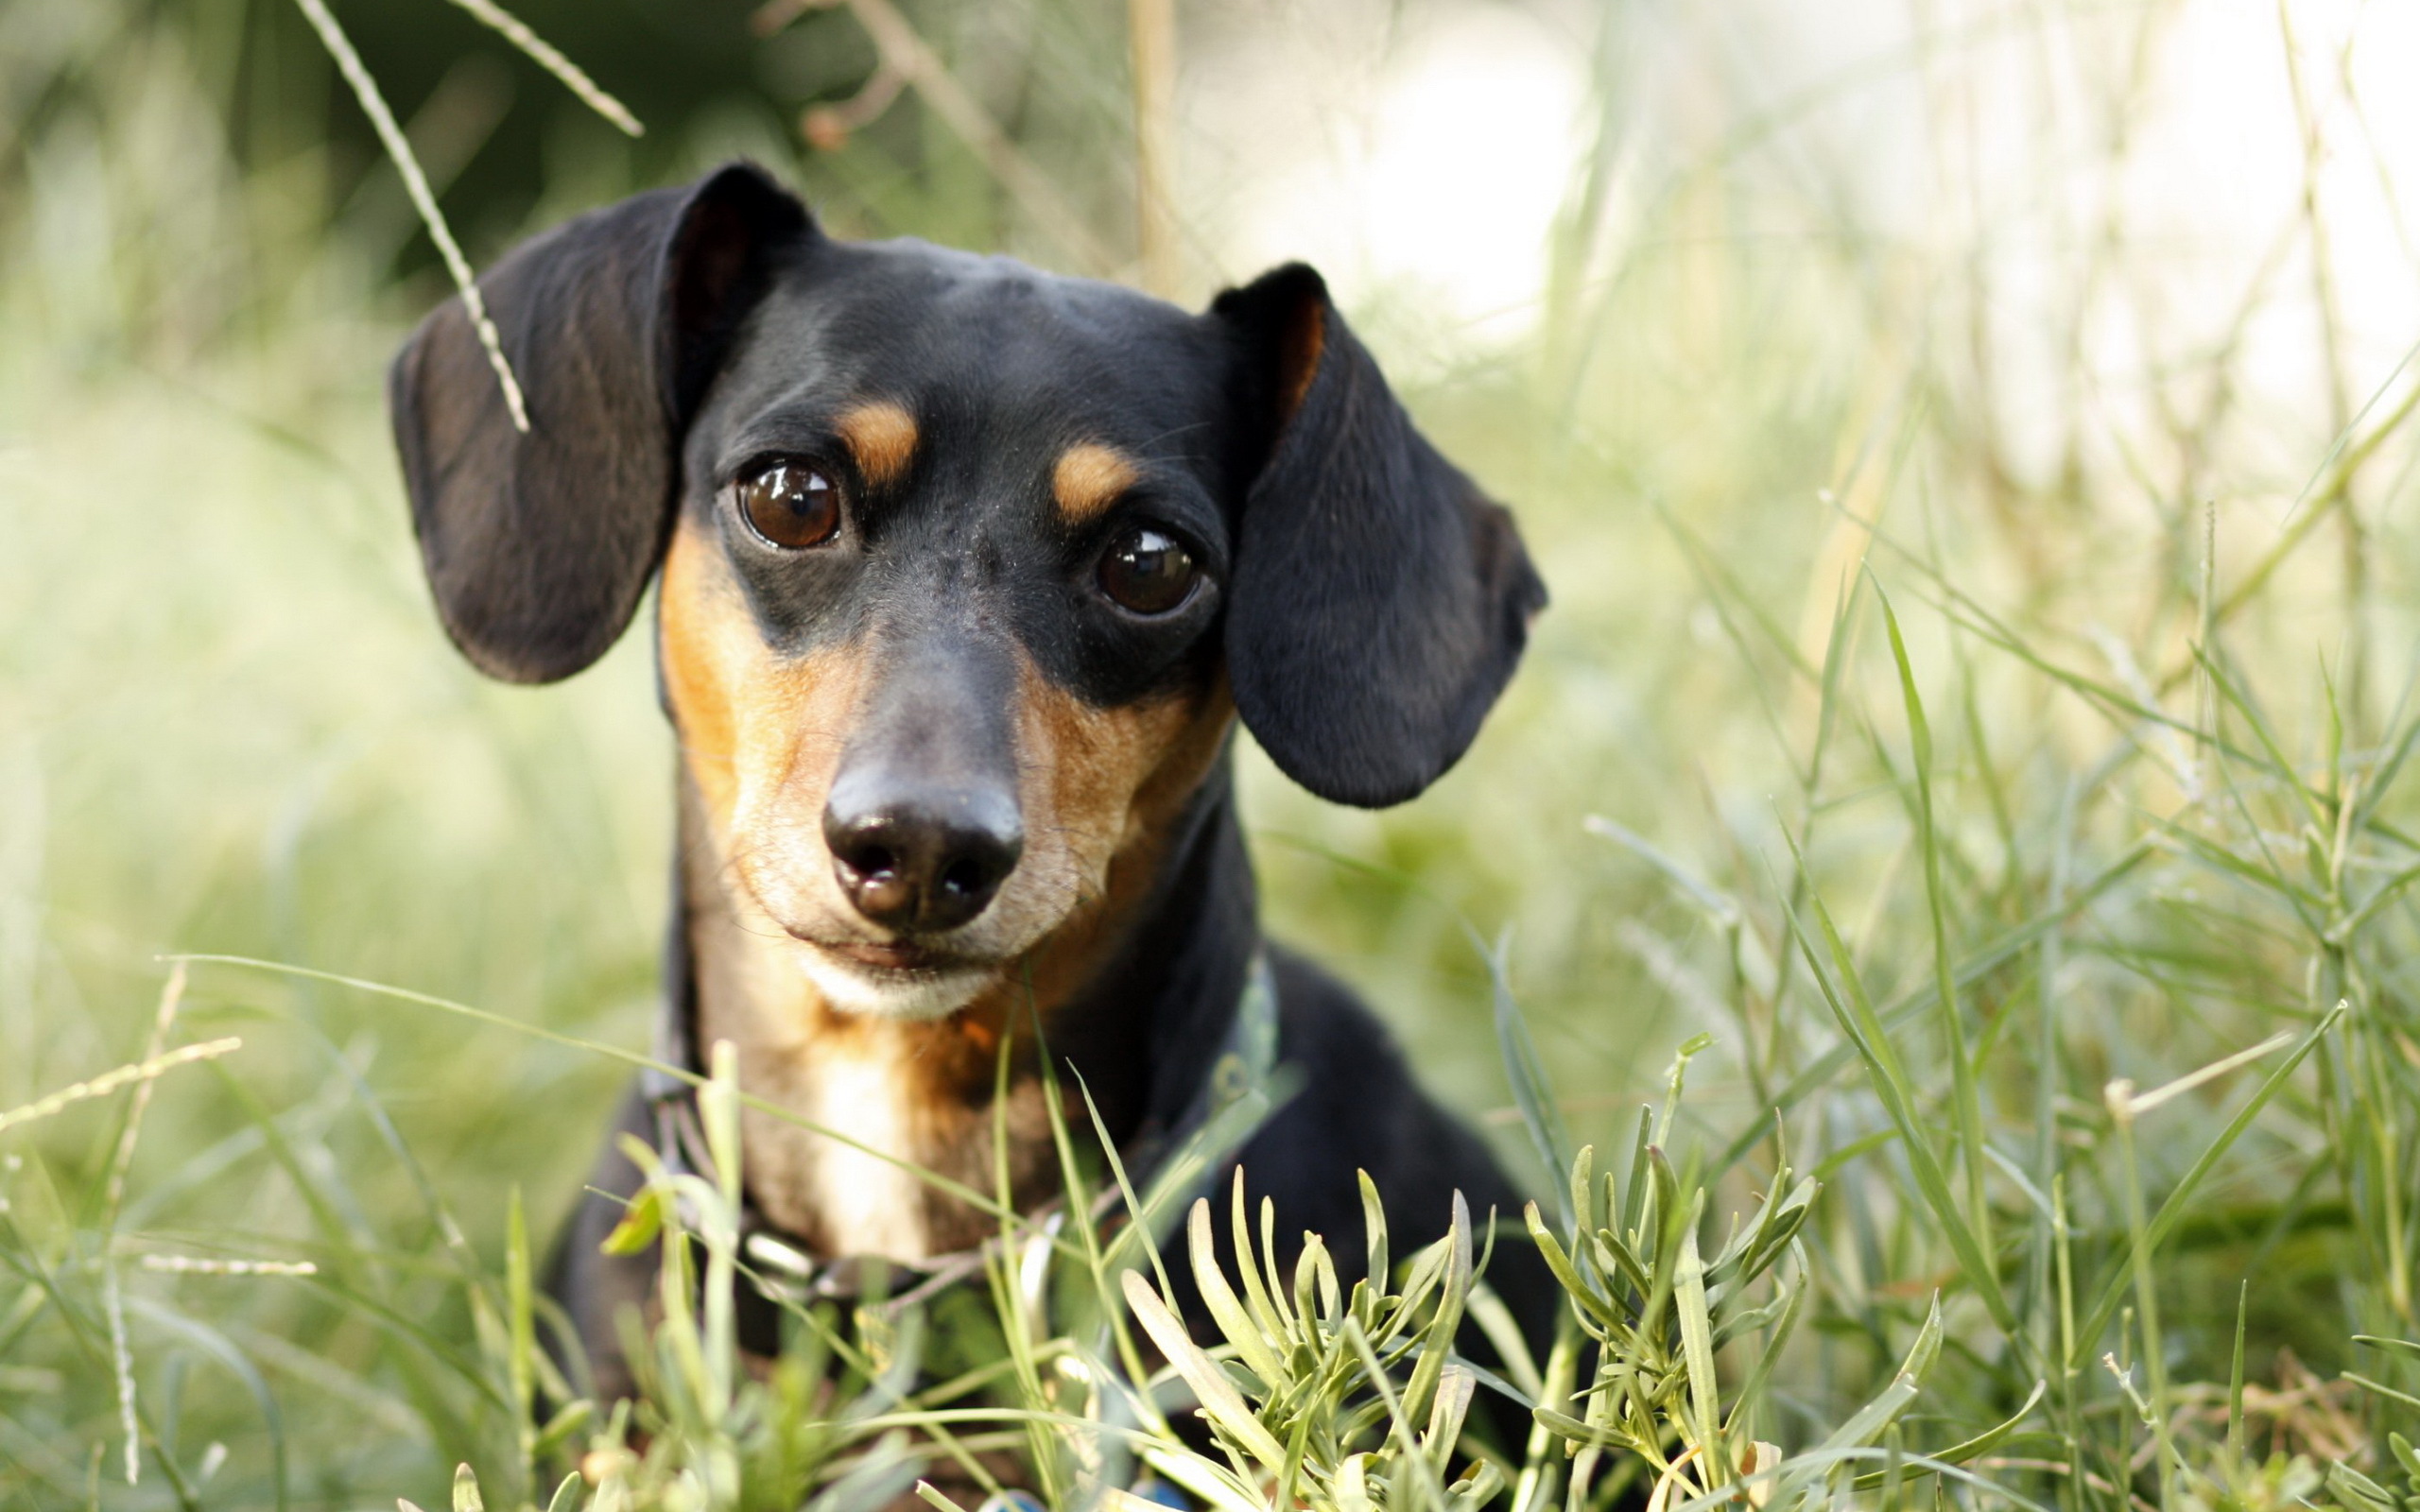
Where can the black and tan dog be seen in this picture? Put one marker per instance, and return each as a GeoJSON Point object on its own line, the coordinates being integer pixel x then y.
{"type": "Point", "coordinates": [968, 572]}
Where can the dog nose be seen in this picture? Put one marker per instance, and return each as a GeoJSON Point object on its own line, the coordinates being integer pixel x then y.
{"type": "Point", "coordinates": [924, 861]}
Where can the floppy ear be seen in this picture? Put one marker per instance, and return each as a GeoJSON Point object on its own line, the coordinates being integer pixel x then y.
{"type": "Point", "coordinates": [1380, 601]}
{"type": "Point", "coordinates": [539, 544]}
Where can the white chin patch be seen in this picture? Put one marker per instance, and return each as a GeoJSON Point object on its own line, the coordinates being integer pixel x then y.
{"type": "Point", "coordinates": [879, 994]}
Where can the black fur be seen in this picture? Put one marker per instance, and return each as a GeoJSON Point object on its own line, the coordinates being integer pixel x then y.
{"type": "Point", "coordinates": [1358, 1109]}
{"type": "Point", "coordinates": [1380, 601]}
{"type": "Point", "coordinates": [539, 546]}
{"type": "Point", "coordinates": [1365, 600]}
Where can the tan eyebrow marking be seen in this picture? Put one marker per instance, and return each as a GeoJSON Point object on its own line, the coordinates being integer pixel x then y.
{"type": "Point", "coordinates": [882, 437]}
{"type": "Point", "coordinates": [1088, 479]}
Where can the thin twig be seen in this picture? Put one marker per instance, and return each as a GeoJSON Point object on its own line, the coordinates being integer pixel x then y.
{"type": "Point", "coordinates": [905, 52]}
{"type": "Point", "coordinates": [391, 136]}
{"type": "Point", "coordinates": [2140, 1102]}
{"type": "Point", "coordinates": [773, 15]}
{"type": "Point", "coordinates": [574, 78]}
{"type": "Point", "coordinates": [827, 128]}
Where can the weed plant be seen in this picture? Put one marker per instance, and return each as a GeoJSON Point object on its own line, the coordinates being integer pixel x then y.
{"type": "Point", "coordinates": [1972, 736]}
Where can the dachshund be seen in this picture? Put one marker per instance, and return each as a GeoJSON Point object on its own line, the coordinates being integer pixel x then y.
{"type": "Point", "coordinates": [967, 573]}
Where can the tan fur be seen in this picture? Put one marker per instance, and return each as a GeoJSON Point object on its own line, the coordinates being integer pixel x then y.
{"type": "Point", "coordinates": [1107, 783]}
{"type": "Point", "coordinates": [1305, 344]}
{"type": "Point", "coordinates": [881, 436]}
{"type": "Point", "coordinates": [1088, 478]}
{"type": "Point", "coordinates": [913, 1091]}
{"type": "Point", "coordinates": [760, 737]}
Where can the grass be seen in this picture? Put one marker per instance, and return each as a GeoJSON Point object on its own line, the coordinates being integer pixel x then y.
{"type": "Point", "coordinates": [1969, 748]}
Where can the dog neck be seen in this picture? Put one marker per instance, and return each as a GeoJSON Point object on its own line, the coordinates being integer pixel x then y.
{"type": "Point", "coordinates": [1135, 994]}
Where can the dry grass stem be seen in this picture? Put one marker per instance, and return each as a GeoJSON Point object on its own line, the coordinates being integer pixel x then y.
{"type": "Point", "coordinates": [107, 1082]}
{"type": "Point", "coordinates": [542, 53]}
{"type": "Point", "coordinates": [398, 149]}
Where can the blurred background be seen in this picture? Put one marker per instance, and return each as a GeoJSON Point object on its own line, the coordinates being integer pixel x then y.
{"type": "Point", "coordinates": [2084, 325]}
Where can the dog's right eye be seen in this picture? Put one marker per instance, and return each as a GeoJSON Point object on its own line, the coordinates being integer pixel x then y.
{"type": "Point", "coordinates": [792, 503]}
{"type": "Point", "coordinates": [1147, 571]}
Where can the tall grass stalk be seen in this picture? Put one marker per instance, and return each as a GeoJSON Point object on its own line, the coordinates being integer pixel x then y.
{"type": "Point", "coordinates": [1982, 675]}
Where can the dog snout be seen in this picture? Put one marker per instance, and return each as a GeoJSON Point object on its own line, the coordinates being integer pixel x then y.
{"type": "Point", "coordinates": [920, 859]}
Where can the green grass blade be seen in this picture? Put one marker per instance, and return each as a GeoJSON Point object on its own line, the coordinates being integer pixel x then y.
{"type": "Point", "coordinates": [1522, 1069]}
{"type": "Point", "coordinates": [1890, 1079]}
{"type": "Point", "coordinates": [2114, 1293]}
{"type": "Point", "coordinates": [1965, 1098]}
{"type": "Point", "coordinates": [1975, 1448]}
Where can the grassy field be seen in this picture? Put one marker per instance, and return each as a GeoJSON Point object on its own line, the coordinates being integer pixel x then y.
{"type": "Point", "coordinates": [1970, 452]}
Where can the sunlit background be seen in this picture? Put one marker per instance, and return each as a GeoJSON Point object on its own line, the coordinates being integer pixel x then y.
{"type": "Point", "coordinates": [2087, 320]}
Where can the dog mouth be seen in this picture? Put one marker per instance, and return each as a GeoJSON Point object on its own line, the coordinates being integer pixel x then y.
{"type": "Point", "coordinates": [910, 977]}
{"type": "Point", "coordinates": [893, 979]}
{"type": "Point", "coordinates": [902, 960]}
{"type": "Point", "coordinates": [905, 958]}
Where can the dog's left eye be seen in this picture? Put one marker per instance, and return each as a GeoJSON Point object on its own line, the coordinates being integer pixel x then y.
{"type": "Point", "coordinates": [792, 503]}
{"type": "Point", "coordinates": [1147, 571]}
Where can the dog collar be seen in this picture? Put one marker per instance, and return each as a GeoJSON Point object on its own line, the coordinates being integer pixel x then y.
{"type": "Point", "coordinates": [1204, 1134]}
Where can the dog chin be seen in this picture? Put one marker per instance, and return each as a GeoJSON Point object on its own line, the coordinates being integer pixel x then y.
{"type": "Point", "coordinates": [878, 992]}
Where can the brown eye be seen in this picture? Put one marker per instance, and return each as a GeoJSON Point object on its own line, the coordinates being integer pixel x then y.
{"type": "Point", "coordinates": [1147, 572]}
{"type": "Point", "coordinates": [791, 503]}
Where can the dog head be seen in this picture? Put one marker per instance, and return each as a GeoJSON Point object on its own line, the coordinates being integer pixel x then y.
{"type": "Point", "coordinates": [966, 569]}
